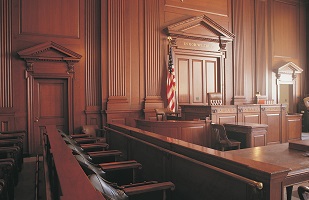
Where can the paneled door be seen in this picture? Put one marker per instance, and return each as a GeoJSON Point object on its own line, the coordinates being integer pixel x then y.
{"type": "Point", "coordinates": [196, 76]}
{"type": "Point", "coordinates": [50, 107]}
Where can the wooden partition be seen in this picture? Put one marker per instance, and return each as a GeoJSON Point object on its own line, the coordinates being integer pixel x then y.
{"type": "Point", "coordinates": [198, 172]}
{"type": "Point", "coordinates": [64, 177]}
{"type": "Point", "coordinates": [196, 132]}
{"type": "Point", "coordinates": [273, 115]}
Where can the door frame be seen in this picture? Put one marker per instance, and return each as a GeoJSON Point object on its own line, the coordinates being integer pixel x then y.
{"type": "Point", "coordinates": [30, 101]}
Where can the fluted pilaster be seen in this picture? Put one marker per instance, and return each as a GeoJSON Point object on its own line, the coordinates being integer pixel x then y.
{"type": "Point", "coordinates": [116, 47]}
{"type": "Point", "coordinates": [152, 48]}
{"type": "Point", "coordinates": [6, 90]}
{"type": "Point", "coordinates": [92, 53]}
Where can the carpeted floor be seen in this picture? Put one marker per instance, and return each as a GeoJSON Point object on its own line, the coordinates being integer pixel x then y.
{"type": "Point", "coordinates": [25, 189]}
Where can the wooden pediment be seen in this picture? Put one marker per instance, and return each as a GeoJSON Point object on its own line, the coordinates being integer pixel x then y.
{"type": "Point", "coordinates": [288, 71]}
{"type": "Point", "coordinates": [201, 28]}
{"type": "Point", "coordinates": [49, 51]}
{"type": "Point", "coordinates": [289, 68]}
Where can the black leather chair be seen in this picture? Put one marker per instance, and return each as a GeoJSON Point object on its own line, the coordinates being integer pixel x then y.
{"type": "Point", "coordinates": [220, 139]}
{"type": "Point", "coordinates": [151, 190]}
{"type": "Point", "coordinates": [123, 172]}
{"type": "Point", "coordinates": [96, 157]}
{"type": "Point", "coordinates": [303, 192]}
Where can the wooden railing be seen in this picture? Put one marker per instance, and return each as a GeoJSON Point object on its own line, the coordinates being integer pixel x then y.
{"type": "Point", "coordinates": [64, 177]}
{"type": "Point", "coordinates": [198, 172]}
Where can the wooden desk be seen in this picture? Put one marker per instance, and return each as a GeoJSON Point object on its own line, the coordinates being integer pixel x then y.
{"type": "Point", "coordinates": [280, 155]}
{"type": "Point", "coordinates": [249, 134]}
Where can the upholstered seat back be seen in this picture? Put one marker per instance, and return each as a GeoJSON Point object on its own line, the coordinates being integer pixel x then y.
{"type": "Point", "coordinates": [89, 167]}
{"type": "Point", "coordinates": [90, 129]}
{"type": "Point", "coordinates": [106, 189]}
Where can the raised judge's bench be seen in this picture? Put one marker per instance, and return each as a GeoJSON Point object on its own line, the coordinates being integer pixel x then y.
{"type": "Point", "coordinates": [282, 127]}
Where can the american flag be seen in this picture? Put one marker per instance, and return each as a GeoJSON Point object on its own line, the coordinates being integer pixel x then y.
{"type": "Point", "coordinates": [171, 83]}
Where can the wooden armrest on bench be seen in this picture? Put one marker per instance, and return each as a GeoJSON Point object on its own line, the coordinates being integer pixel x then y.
{"type": "Point", "coordinates": [148, 188]}
{"type": "Point", "coordinates": [82, 135]}
{"type": "Point", "coordinates": [94, 147]}
{"type": "Point", "coordinates": [105, 153]}
{"type": "Point", "coordinates": [131, 164]}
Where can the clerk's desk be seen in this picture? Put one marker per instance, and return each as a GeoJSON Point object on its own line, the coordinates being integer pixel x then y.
{"type": "Point", "coordinates": [281, 155]}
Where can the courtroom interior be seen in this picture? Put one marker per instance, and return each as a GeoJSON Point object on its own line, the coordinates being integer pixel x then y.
{"type": "Point", "coordinates": [154, 99]}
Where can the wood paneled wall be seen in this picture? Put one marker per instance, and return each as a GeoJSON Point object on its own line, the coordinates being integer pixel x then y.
{"type": "Point", "coordinates": [122, 72]}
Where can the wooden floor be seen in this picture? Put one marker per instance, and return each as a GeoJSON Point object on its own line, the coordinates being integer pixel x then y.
{"type": "Point", "coordinates": [25, 190]}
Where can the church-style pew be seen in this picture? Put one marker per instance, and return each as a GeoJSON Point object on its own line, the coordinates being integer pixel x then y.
{"type": "Point", "coordinates": [198, 172]}
{"type": "Point", "coordinates": [7, 177]}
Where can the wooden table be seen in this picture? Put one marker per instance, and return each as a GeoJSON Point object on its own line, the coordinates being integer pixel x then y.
{"type": "Point", "coordinates": [249, 134]}
{"type": "Point", "coordinates": [280, 155]}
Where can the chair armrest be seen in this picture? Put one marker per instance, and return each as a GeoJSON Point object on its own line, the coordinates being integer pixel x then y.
{"type": "Point", "coordinates": [148, 188]}
{"type": "Point", "coordinates": [85, 140]}
{"type": "Point", "coordinates": [82, 135]}
{"type": "Point", "coordinates": [112, 166]}
{"type": "Point", "coordinates": [94, 147]}
{"type": "Point", "coordinates": [97, 154]}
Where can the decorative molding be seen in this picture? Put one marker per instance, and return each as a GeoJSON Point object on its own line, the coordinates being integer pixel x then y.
{"type": "Point", "coordinates": [289, 68]}
{"type": "Point", "coordinates": [6, 86]}
{"type": "Point", "coordinates": [49, 52]}
{"type": "Point", "coordinates": [216, 33]}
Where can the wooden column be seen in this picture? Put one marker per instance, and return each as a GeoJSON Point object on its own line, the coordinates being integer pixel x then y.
{"type": "Point", "coordinates": [244, 66]}
{"type": "Point", "coordinates": [6, 87]}
{"type": "Point", "coordinates": [116, 56]}
{"type": "Point", "coordinates": [262, 47]}
{"type": "Point", "coordinates": [153, 65]}
{"type": "Point", "coordinates": [92, 62]}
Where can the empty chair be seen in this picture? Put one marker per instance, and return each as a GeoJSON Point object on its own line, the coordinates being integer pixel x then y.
{"type": "Point", "coordinates": [84, 146]}
{"type": "Point", "coordinates": [151, 190]}
{"type": "Point", "coordinates": [303, 192]}
{"type": "Point", "coordinates": [220, 139]}
{"type": "Point", "coordinates": [91, 131]}
{"type": "Point", "coordinates": [214, 98]}
{"type": "Point", "coordinates": [163, 114]}
{"type": "Point", "coordinates": [123, 172]}
{"type": "Point", "coordinates": [93, 156]}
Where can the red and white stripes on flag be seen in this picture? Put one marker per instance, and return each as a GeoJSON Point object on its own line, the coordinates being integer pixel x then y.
{"type": "Point", "coordinates": [171, 83]}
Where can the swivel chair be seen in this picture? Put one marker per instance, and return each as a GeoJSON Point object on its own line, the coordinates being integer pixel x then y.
{"type": "Point", "coordinates": [220, 139]}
